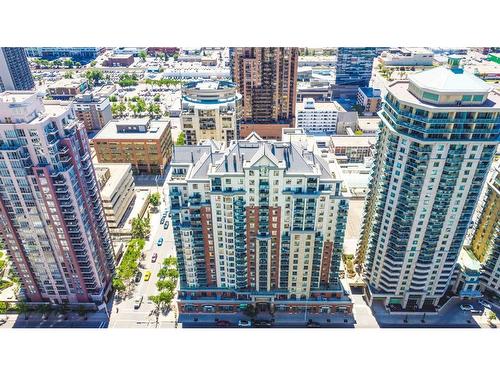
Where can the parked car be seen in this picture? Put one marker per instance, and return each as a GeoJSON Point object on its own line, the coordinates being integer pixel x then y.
{"type": "Point", "coordinates": [244, 323]}
{"type": "Point", "coordinates": [484, 303]}
{"type": "Point", "coordinates": [137, 302]}
{"type": "Point", "coordinates": [466, 307]}
{"type": "Point", "coordinates": [166, 225]}
{"type": "Point", "coordinates": [262, 323]}
{"type": "Point", "coordinates": [138, 276]}
{"type": "Point", "coordinates": [313, 324]}
{"type": "Point", "coordinates": [154, 257]}
{"type": "Point", "coordinates": [160, 241]}
{"type": "Point", "coordinates": [147, 275]}
{"type": "Point", "coordinates": [223, 323]}
{"type": "Point", "coordinates": [162, 220]}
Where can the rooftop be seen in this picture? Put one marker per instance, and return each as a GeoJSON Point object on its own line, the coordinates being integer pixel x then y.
{"type": "Point", "coordinates": [294, 157]}
{"type": "Point", "coordinates": [370, 92]}
{"type": "Point", "coordinates": [144, 129]}
{"type": "Point", "coordinates": [442, 79]}
{"type": "Point", "coordinates": [353, 140]}
{"type": "Point", "coordinates": [15, 96]}
{"type": "Point", "coordinates": [68, 82]}
{"type": "Point", "coordinates": [400, 90]}
{"type": "Point", "coordinates": [117, 172]}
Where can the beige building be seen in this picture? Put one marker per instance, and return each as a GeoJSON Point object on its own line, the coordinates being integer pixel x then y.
{"type": "Point", "coordinates": [210, 110]}
{"type": "Point", "coordinates": [93, 108]}
{"type": "Point", "coordinates": [145, 143]}
{"type": "Point", "coordinates": [67, 88]}
{"type": "Point", "coordinates": [116, 184]}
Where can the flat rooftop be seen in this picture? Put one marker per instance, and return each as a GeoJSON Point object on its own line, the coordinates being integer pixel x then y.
{"type": "Point", "coordinates": [321, 106]}
{"type": "Point", "coordinates": [15, 96]}
{"type": "Point", "coordinates": [68, 82]}
{"type": "Point", "coordinates": [353, 140]}
{"type": "Point", "coordinates": [117, 172]}
{"type": "Point", "coordinates": [400, 90]}
{"type": "Point", "coordinates": [153, 132]}
{"type": "Point", "coordinates": [370, 92]}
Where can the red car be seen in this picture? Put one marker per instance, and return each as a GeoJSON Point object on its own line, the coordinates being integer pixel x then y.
{"type": "Point", "coordinates": [154, 257]}
{"type": "Point", "coordinates": [223, 323]}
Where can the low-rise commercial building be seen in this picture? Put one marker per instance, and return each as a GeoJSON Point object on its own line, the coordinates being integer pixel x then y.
{"type": "Point", "coordinates": [119, 60]}
{"type": "Point", "coordinates": [93, 108]}
{"type": "Point", "coordinates": [407, 57]}
{"type": "Point", "coordinates": [352, 149]}
{"type": "Point", "coordinates": [77, 53]}
{"type": "Point", "coordinates": [144, 143]}
{"type": "Point", "coordinates": [210, 110]}
{"type": "Point", "coordinates": [67, 88]}
{"type": "Point", "coordinates": [370, 99]}
{"type": "Point", "coordinates": [116, 184]}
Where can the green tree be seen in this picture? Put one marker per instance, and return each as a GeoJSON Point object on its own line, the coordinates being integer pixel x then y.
{"type": "Point", "coordinates": [155, 199]}
{"type": "Point", "coordinates": [161, 55]}
{"type": "Point", "coordinates": [166, 285]}
{"type": "Point", "coordinates": [141, 105]}
{"type": "Point", "coordinates": [157, 98]}
{"type": "Point", "coordinates": [162, 300]}
{"type": "Point", "coordinates": [358, 108]}
{"type": "Point", "coordinates": [133, 108]}
{"type": "Point", "coordinates": [68, 63]}
{"type": "Point", "coordinates": [142, 55]}
{"type": "Point", "coordinates": [112, 99]}
{"type": "Point", "coordinates": [93, 63]}
{"type": "Point", "coordinates": [491, 315]}
{"type": "Point", "coordinates": [141, 227]}
{"type": "Point", "coordinates": [93, 76]}
{"type": "Point", "coordinates": [4, 307]}
{"type": "Point", "coordinates": [78, 65]}
{"type": "Point", "coordinates": [175, 56]}
{"type": "Point", "coordinates": [68, 74]}
{"type": "Point", "coordinates": [170, 262]}
{"type": "Point", "coordinates": [181, 139]}
{"type": "Point", "coordinates": [118, 284]}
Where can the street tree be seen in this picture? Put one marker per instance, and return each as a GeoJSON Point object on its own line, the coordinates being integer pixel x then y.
{"type": "Point", "coordinates": [154, 199]}
{"type": "Point", "coordinates": [142, 55]}
{"type": "Point", "coordinates": [168, 284]}
{"type": "Point", "coordinates": [181, 139]}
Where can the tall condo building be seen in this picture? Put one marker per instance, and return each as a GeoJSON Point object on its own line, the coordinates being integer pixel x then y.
{"type": "Point", "coordinates": [15, 73]}
{"type": "Point", "coordinates": [438, 136]}
{"type": "Point", "coordinates": [259, 222]}
{"type": "Point", "coordinates": [354, 66]}
{"type": "Point", "coordinates": [267, 80]}
{"type": "Point", "coordinates": [486, 241]}
{"type": "Point", "coordinates": [51, 216]}
{"type": "Point", "coordinates": [210, 110]}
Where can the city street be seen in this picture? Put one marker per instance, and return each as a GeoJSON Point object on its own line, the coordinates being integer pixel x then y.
{"type": "Point", "coordinates": [123, 314]}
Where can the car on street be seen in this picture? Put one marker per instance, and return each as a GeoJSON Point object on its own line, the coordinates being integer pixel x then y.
{"type": "Point", "coordinates": [138, 276]}
{"type": "Point", "coordinates": [484, 303]}
{"type": "Point", "coordinates": [313, 324]}
{"type": "Point", "coordinates": [223, 323]}
{"type": "Point", "coordinates": [244, 323]}
{"type": "Point", "coordinates": [147, 275]}
{"type": "Point", "coordinates": [137, 302]}
{"type": "Point", "coordinates": [262, 323]}
{"type": "Point", "coordinates": [154, 257]}
{"type": "Point", "coordinates": [166, 225]}
{"type": "Point", "coordinates": [160, 241]}
{"type": "Point", "coordinates": [162, 220]}
{"type": "Point", "coordinates": [467, 307]}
